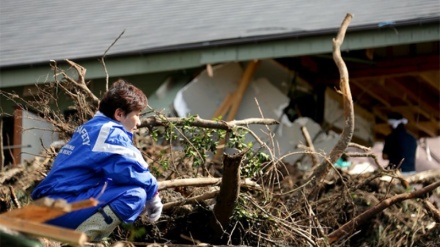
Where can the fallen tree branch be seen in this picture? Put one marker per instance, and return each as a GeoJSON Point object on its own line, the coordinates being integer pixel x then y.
{"type": "Point", "coordinates": [368, 155]}
{"type": "Point", "coordinates": [188, 182]}
{"type": "Point", "coordinates": [322, 170]}
{"type": "Point", "coordinates": [422, 177]}
{"type": "Point", "coordinates": [309, 142]}
{"type": "Point", "coordinates": [247, 183]}
{"type": "Point", "coordinates": [155, 121]}
{"type": "Point", "coordinates": [432, 211]}
{"type": "Point", "coordinates": [350, 226]}
{"type": "Point", "coordinates": [200, 182]}
{"type": "Point", "coordinates": [14, 197]}
{"type": "Point", "coordinates": [191, 200]}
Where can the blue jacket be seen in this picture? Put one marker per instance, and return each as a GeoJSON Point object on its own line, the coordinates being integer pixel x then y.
{"type": "Point", "coordinates": [99, 151]}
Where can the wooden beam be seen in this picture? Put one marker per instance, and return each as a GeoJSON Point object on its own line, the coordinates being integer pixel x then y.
{"type": "Point", "coordinates": [382, 128]}
{"type": "Point", "coordinates": [408, 109]}
{"type": "Point", "coordinates": [369, 91]}
{"type": "Point", "coordinates": [397, 67]}
{"type": "Point", "coordinates": [63, 235]}
{"type": "Point", "coordinates": [432, 128]}
{"type": "Point", "coordinates": [432, 78]}
{"type": "Point", "coordinates": [242, 87]}
{"type": "Point", "coordinates": [416, 98]}
{"type": "Point", "coordinates": [428, 127]}
{"type": "Point", "coordinates": [404, 66]}
{"type": "Point", "coordinates": [222, 110]}
{"type": "Point", "coordinates": [377, 111]}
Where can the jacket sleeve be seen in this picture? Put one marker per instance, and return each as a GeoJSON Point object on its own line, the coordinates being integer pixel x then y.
{"type": "Point", "coordinates": [127, 171]}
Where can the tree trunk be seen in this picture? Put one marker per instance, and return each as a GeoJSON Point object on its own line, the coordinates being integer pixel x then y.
{"type": "Point", "coordinates": [228, 195]}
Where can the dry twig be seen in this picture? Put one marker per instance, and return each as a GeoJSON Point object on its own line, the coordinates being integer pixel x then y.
{"type": "Point", "coordinates": [368, 214]}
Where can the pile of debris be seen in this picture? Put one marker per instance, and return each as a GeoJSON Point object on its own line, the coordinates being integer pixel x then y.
{"type": "Point", "coordinates": [266, 214]}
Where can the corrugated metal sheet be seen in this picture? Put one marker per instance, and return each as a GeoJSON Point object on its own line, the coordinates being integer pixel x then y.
{"type": "Point", "coordinates": [38, 31]}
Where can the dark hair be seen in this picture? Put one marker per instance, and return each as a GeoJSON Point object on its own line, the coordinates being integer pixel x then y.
{"type": "Point", "coordinates": [122, 95]}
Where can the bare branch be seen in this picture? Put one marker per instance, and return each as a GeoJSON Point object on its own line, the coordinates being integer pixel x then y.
{"type": "Point", "coordinates": [432, 210]}
{"type": "Point", "coordinates": [347, 133]}
{"type": "Point", "coordinates": [309, 143]}
{"type": "Point", "coordinates": [368, 214]}
{"type": "Point", "coordinates": [80, 83]}
{"type": "Point", "coordinates": [192, 200]}
{"type": "Point", "coordinates": [155, 121]}
{"type": "Point", "coordinates": [103, 58]}
{"type": "Point", "coordinates": [188, 182]}
{"type": "Point", "coordinates": [421, 177]}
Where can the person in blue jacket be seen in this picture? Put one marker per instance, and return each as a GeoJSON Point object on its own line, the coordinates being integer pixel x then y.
{"type": "Point", "coordinates": [100, 161]}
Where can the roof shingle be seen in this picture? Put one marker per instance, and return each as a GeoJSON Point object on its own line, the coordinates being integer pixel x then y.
{"type": "Point", "coordinates": [38, 31]}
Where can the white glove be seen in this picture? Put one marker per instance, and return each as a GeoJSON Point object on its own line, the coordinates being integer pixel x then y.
{"type": "Point", "coordinates": [153, 208]}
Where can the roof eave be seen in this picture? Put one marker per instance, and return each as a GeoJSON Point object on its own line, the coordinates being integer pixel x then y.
{"type": "Point", "coordinates": [283, 36]}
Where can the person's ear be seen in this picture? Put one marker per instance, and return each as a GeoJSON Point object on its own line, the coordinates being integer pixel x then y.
{"type": "Point", "coordinates": [119, 113]}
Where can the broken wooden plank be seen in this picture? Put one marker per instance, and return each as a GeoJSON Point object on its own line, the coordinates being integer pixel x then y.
{"type": "Point", "coordinates": [242, 87]}
{"type": "Point", "coordinates": [46, 209]}
{"type": "Point", "coordinates": [60, 234]}
{"type": "Point", "coordinates": [222, 110]}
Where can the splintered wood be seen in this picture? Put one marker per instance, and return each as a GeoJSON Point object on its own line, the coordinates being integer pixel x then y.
{"type": "Point", "coordinates": [30, 218]}
{"type": "Point", "coordinates": [46, 208]}
{"type": "Point", "coordinates": [43, 230]}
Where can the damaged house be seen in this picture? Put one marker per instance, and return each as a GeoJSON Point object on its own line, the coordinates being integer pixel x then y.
{"type": "Point", "coordinates": [272, 58]}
